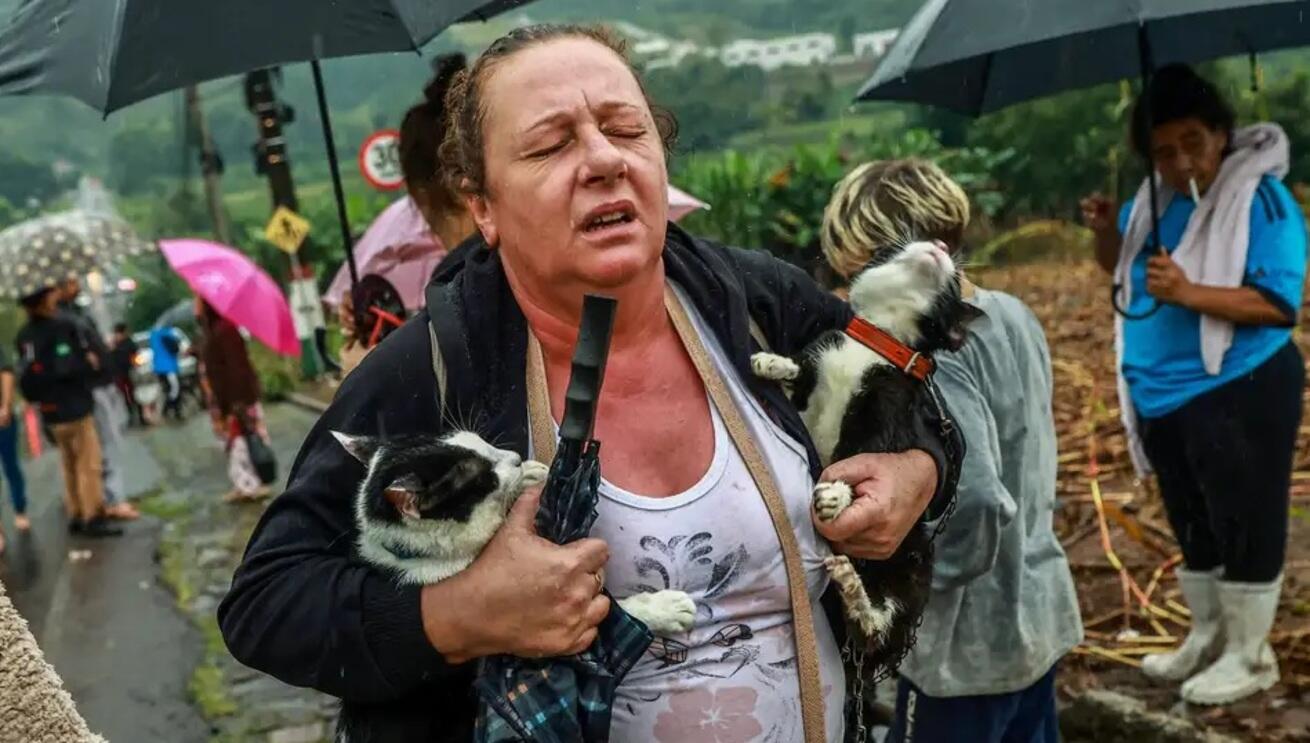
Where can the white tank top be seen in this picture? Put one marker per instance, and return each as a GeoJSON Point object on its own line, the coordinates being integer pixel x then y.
{"type": "Point", "coordinates": [733, 677]}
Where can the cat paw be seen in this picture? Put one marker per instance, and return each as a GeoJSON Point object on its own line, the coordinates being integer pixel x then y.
{"type": "Point", "coordinates": [873, 618]}
{"type": "Point", "coordinates": [830, 499]}
{"type": "Point", "coordinates": [664, 612]}
{"type": "Point", "coordinates": [775, 367]}
{"type": "Point", "coordinates": [534, 474]}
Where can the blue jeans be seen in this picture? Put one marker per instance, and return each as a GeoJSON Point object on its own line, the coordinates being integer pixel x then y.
{"type": "Point", "coordinates": [13, 470]}
{"type": "Point", "coordinates": [1024, 716]}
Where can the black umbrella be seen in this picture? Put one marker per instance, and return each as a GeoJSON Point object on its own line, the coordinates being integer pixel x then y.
{"type": "Point", "coordinates": [977, 56]}
{"type": "Point", "coordinates": [565, 700]}
{"type": "Point", "coordinates": [113, 53]}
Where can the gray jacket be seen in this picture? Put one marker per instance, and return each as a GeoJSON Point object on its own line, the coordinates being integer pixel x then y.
{"type": "Point", "coordinates": [1003, 608]}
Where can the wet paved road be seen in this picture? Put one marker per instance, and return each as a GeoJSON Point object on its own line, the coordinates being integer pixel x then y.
{"type": "Point", "coordinates": [108, 624]}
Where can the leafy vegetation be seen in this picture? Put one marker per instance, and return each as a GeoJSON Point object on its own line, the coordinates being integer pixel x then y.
{"type": "Point", "coordinates": [775, 199]}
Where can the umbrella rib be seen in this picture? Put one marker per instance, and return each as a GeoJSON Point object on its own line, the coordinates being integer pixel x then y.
{"type": "Point", "coordinates": [986, 80]}
{"type": "Point", "coordinates": [413, 43]}
{"type": "Point", "coordinates": [120, 16]}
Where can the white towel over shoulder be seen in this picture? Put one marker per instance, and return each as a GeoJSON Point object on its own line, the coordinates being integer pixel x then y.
{"type": "Point", "coordinates": [1212, 251]}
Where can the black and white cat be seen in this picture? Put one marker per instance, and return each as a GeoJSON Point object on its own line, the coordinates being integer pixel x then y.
{"type": "Point", "coordinates": [853, 401]}
{"type": "Point", "coordinates": [429, 504]}
{"type": "Point", "coordinates": [425, 509]}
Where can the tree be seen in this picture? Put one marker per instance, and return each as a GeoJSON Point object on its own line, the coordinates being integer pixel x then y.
{"type": "Point", "coordinates": [1062, 145]}
{"type": "Point", "coordinates": [142, 152]}
{"type": "Point", "coordinates": [712, 102]}
{"type": "Point", "coordinates": [25, 179]}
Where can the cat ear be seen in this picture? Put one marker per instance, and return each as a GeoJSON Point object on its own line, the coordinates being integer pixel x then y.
{"type": "Point", "coordinates": [959, 332]}
{"type": "Point", "coordinates": [360, 447]}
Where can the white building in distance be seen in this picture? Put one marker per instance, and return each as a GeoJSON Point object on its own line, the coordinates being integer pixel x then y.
{"type": "Point", "coordinates": [874, 43]}
{"type": "Point", "coordinates": [799, 51]}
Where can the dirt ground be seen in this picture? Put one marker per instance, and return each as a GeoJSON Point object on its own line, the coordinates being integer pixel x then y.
{"type": "Point", "coordinates": [1072, 300]}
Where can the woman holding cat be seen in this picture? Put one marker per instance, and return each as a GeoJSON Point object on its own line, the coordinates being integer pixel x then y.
{"type": "Point", "coordinates": [1210, 379]}
{"type": "Point", "coordinates": [562, 162]}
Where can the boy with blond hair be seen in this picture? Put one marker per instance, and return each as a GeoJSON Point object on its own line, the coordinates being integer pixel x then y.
{"type": "Point", "coordinates": [1002, 610]}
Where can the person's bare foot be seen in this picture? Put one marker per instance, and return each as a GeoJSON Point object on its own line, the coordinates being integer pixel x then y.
{"type": "Point", "coordinates": [22, 523]}
{"type": "Point", "coordinates": [123, 512]}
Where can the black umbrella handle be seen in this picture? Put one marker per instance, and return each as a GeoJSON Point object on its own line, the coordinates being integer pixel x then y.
{"type": "Point", "coordinates": [588, 372]}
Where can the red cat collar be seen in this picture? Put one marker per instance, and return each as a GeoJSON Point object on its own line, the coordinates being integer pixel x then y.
{"type": "Point", "coordinates": [900, 355]}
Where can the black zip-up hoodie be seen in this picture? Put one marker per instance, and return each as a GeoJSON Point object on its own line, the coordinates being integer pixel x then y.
{"type": "Point", "coordinates": [302, 610]}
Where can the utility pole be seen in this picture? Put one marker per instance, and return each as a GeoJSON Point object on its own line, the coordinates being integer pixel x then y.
{"type": "Point", "coordinates": [270, 150]}
{"type": "Point", "coordinates": [211, 164]}
{"type": "Point", "coordinates": [271, 161]}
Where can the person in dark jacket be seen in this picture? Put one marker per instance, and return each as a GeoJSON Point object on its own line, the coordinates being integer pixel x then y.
{"type": "Point", "coordinates": [562, 162]}
{"type": "Point", "coordinates": [123, 358]}
{"type": "Point", "coordinates": [57, 371]}
{"type": "Point", "coordinates": [109, 414]}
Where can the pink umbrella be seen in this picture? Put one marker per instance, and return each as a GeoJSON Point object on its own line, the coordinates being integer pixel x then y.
{"type": "Point", "coordinates": [400, 248]}
{"type": "Point", "coordinates": [682, 203]}
{"type": "Point", "coordinates": [237, 289]}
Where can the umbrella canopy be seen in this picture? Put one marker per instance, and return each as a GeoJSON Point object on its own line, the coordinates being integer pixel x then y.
{"type": "Point", "coordinates": [112, 54]}
{"type": "Point", "coordinates": [182, 312]}
{"type": "Point", "coordinates": [103, 239]}
{"type": "Point", "coordinates": [400, 248]}
{"type": "Point", "coordinates": [109, 238]}
{"type": "Point", "coordinates": [237, 289]}
{"type": "Point", "coordinates": [563, 700]}
{"type": "Point", "coordinates": [682, 203]}
{"type": "Point", "coordinates": [37, 255]}
{"type": "Point", "coordinates": [977, 56]}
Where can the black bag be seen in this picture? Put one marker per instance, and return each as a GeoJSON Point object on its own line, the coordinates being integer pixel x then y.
{"type": "Point", "coordinates": [262, 457]}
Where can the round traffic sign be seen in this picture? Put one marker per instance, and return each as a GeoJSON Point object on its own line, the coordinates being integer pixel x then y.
{"type": "Point", "coordinates": [379, 160]}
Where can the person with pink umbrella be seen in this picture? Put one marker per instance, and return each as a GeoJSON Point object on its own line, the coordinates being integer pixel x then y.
{"type": "Point", "coordinates": [234, 393]}
{"type": "Point", "coordinates": [231, 293]}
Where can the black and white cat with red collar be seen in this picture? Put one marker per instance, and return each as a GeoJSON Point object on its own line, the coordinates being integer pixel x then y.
{"type": "Point", "coordinates": [859, 391]}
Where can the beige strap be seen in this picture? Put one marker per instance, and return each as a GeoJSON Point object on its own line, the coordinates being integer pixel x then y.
{"type": "Point", "coordinates": [807, 647]}
{"type": "Point", "coordinates": [807, 650]}
{"type": "Point", "coordinates": [540, 422]}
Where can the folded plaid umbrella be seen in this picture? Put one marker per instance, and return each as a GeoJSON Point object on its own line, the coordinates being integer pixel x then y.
{"type": "Point", "coordinates": [564, 700]}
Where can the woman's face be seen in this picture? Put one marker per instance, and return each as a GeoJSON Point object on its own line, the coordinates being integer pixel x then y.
{"type": "Point", "coordinates": [575, 190]}
{"type": "Point", "coordinates": [1188, 149]}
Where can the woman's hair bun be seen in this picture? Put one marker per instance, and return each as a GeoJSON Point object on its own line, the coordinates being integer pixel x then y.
{"type": "Point", "coordinates": [444, 69]}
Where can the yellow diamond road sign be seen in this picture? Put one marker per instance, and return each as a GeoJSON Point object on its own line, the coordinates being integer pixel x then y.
{"type": "Point", "coordinates": [286, 229]}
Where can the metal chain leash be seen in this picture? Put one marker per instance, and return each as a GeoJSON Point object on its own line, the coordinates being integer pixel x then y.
{"type": "Point", "coordinates": [853, 654]}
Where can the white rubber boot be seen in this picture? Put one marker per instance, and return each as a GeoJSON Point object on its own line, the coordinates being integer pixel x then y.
{"type": "Point", "coordinates": [1247, 665]}
{"type": "Point", "coordinates": [1201, 591]}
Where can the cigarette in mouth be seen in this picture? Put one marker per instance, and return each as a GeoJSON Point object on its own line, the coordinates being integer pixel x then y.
{"type": "Point", "coordinates": [1196, 195]}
